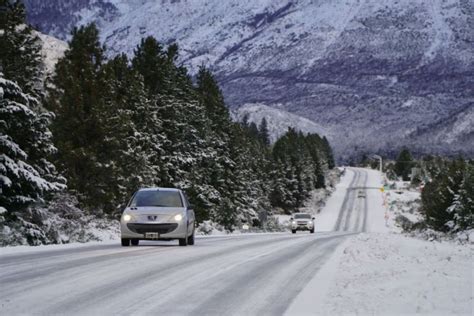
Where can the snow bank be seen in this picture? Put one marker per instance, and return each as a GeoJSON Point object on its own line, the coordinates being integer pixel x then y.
{"type": "Point", "coordinates": [391, 274]}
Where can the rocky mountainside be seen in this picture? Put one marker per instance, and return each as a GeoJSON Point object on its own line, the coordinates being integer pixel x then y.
{"type": "Point", "coordinates": [376, 74]}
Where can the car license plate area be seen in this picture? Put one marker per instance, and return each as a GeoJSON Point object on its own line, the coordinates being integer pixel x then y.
{"type": "Point", "coordinates": [152, 235]}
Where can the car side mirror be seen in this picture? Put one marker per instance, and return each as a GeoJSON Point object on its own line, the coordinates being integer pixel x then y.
{"type": "Point", "coordinates": [191, 207]}
{"type": "Point", "coordinates": [291, 218]}
{"type": "Point", "coordinates": [313, 218]}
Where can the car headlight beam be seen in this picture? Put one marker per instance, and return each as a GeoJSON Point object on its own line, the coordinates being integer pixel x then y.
{"type": "Point", "coordinates": [178, 217]}
{"type": "Point", "coordinates": [127, 217]}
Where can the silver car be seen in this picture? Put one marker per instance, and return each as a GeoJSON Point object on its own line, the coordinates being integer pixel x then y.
{"type": "Point", "coordinates": [158, 214]}
{"type": "Point", "coordinates": [302, 221]}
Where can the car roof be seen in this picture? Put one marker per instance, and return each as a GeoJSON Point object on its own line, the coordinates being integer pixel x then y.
{"type": "Point", "coordinates": [159, 189]}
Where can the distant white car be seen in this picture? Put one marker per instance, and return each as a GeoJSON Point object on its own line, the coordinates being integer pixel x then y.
{"type": "Point", "coordinates": [302, 221]}
{"type": "Point", "coordinates": [158, 214]}
{"type": "Point", "coordinates": [361, 194]}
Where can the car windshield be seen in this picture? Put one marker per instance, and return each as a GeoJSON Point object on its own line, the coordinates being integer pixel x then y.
{"type": "Point", "coordinates": [157, 198]}
{"type": "Point", "coordinates": [300, 216]}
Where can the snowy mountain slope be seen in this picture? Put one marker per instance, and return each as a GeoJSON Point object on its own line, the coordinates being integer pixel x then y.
{"type": "Point", "coordinates": [278, 120]}
{"type": "Point", "coordinates": [52, 49]}
{"type": "Point", "coordinates": [372, 71]}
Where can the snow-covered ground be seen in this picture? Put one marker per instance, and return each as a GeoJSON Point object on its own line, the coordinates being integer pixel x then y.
{"type": "Point", "coordinates": [402, 201]}
{"type": "Point", "coordinates": [366, 269]}
{"type": "Point", "coordinates": [382, 272]}
{"type": "Point", "coordinates": [390, 274]}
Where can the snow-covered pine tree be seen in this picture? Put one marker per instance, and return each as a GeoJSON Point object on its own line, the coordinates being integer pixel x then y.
{"type": "Point", "coordinates": [188, 153]}
{"type": "Point", "coordinates": [463, 206]}
{"type": "Point", "coordinates": [131, 131]}
{"type": "Point", "coordinates": [26, 174]}
{"type": "Point", "coordinates": [439, 194]}
{"type": "Point", "coordinates": [304, 159]}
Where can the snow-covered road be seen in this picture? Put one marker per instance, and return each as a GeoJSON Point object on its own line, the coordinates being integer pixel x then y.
{"type": "Point", "coordinates": [258, 274]}
{"type": "Point", "coordinates": [243, 274]}
{"type": "Point", "coordinates": [247, 274]}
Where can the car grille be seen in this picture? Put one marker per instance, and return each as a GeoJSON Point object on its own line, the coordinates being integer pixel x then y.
{"type": "Point", "coordinates": [302, 223]}
{"type": "Point", "coordinates": [152, 228]}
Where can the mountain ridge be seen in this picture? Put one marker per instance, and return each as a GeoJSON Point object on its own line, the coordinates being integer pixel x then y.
{"type": "Point", "coordinates": [370, 71]}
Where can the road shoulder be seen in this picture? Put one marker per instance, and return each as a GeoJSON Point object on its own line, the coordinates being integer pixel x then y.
{"type": "Point", "coordinates": [380, 273]}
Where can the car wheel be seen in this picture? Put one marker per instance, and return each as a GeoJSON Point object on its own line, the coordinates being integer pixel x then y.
{"type": "Point", "coordinates": [183, 242]}
{"type": "Point", "coordinates": [135, 242]}
{"type": "Point", "coordinates": [294, 231]}
{"type": "Point", "coordinates": [312, 231]}
{"type": "Point", "coordinates": [125, 242]}
{"type": "Point", "coordinates": [191, 239]}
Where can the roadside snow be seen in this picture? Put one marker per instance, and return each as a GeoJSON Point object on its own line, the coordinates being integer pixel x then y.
{"type": "Point", "coordinates": [392, 274]}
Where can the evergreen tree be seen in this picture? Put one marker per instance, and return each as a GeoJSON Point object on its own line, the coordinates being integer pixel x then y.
{"type": "Point", "coordinates": [329, 154]}
{"type": "Point", "coordinates": [463, 206]}
{"type": "Point", "coordinates": [300, 168]}
{"type": "Point", "coordinates": [78, 101]}
{"type": "Point", "coordinates": [153, 63]}
{"type": "Point", "coordinates": [26, 174]}
{"type": "Point", "coordinates": [439, 194]}
{"type": "Point", "coordinates": [404, 164]}
{"type": "Point", "coordinates": [131, 131]}
{"type": "Point", "coordinates": [263, 132]}
{"type": "Point", "coordinates": [20, 49]}
{"type": "Point", "coordinates": [213, 100]}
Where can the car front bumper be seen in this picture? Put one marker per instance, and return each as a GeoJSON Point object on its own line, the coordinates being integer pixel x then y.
{"type": "Point", "coordinates": [302, 226]}
{"type": "Point", "coordinates": [167, 230]}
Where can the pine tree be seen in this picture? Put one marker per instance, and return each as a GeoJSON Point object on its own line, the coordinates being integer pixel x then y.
{"type": "Point", "coordinates": [26, 174]}
{"type": "Point", "coordinates": [463, 204]}
{"type": "Point", "coordinates": [439, 195]}
{"type": "Point", "coordinates": [20, 49]}
{"type": "Point", "coordinates": [152, 62]}
{"type": "Point", "coordinates": [78, 102]}
{"type": "Point", "coordinates": [263, 132]}
{"type": "Point", "coordinates": [131, 131]}
{"type": "Point", "coordinates": [329, 154]}
{"type": "Point", "coordinates": [404, 164]}
{"type": "Point", "coordinates": [213, 100]}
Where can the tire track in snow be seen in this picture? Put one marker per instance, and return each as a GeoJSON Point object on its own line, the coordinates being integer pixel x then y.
{"type": "Point", "coordinates": [337, 226]}
{"type": "Point", "coordinates": [360, 203]}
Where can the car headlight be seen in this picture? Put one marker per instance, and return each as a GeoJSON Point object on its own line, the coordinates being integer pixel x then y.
{"type": "Point", "coordinates": [127, 217]}
{"type": "Point", "coordinates": [293, 222]}
{"type": "Point", "coordinates": [178, 217]}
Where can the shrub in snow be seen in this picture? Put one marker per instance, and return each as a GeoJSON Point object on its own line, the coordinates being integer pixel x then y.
{"type": "Point", "coordinates": [61, 221]}
{"type": "Point", "coordinates": [209, 228]}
